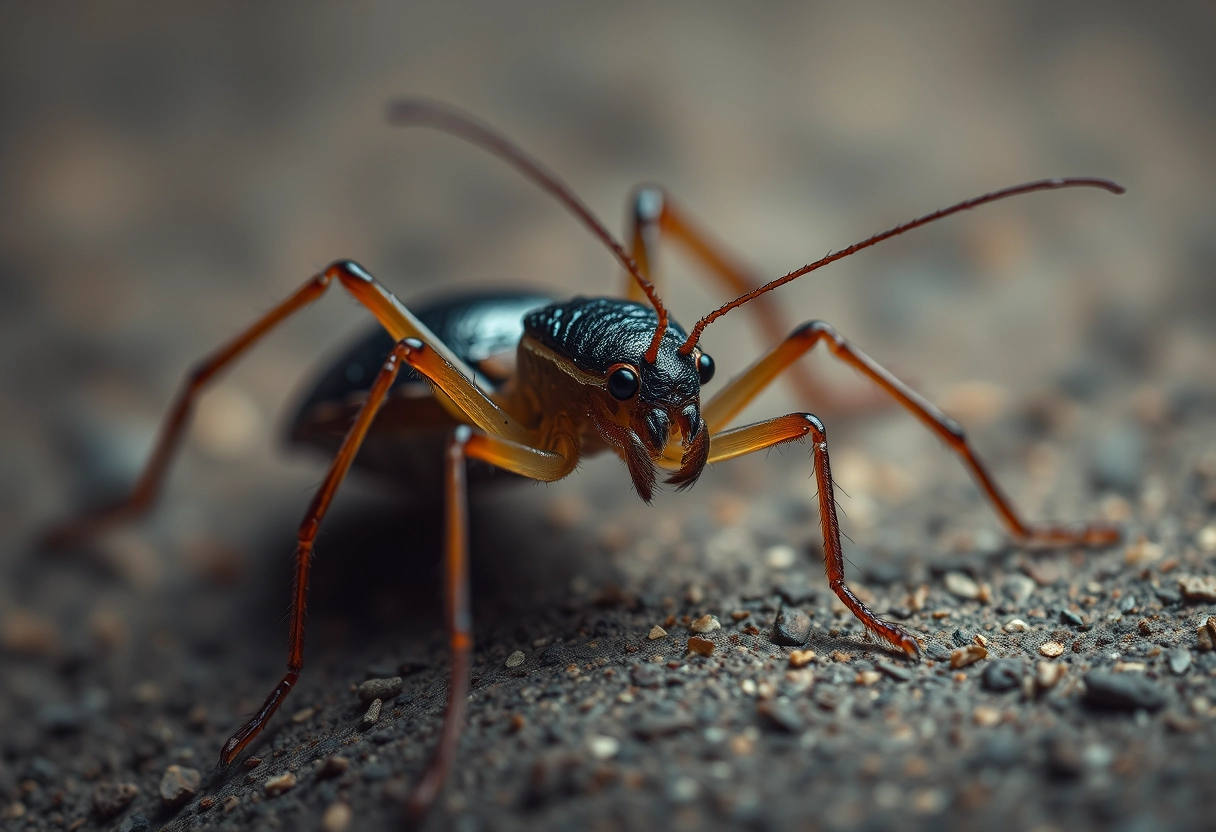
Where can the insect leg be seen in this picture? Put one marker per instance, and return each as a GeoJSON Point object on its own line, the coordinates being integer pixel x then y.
{"type": "Point", "coordinates": [167, 443]}
{"type": "Point", "coordinates": [304, 550]}
{"type": "Point", "coordinates": [655, 215]}
{"type": "Point", "coordinates": [458, 618]}
{"type": "Point", "coordinates": [538, 464]}
{"type": "Point", "coordinates": [795, 426]}
{"type": "Point", "coordinates": [457, 391]}
{"type": "Point", "coordinates": [740, 390]}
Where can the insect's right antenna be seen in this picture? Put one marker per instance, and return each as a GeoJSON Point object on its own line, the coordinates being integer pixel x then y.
{"type": "Point", "coordinates": [966, 205]}
{"type": "Point", "coordinates": [423, 112]}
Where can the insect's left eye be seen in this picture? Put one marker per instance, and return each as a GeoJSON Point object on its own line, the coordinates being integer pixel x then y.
{"type": "Point", "coordinates": [623, 382]}
{"type": "Point", "coordinates": [705, 366]}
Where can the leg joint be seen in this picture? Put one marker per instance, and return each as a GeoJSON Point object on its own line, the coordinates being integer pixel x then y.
{"type": "Point", "coordinates": [814, 330]}
{"type": "Point", "coordinates": [348, 270]}
{"type": "Point", "coordinates": [648, 201]}
{"type": "Point", "coordinates": [817, 430]}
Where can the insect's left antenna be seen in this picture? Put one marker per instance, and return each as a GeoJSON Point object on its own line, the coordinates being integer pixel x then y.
{"type": "Point", "coordinates": [422, 112]}
{"type": "Point", "coordinates": [1026, 188]}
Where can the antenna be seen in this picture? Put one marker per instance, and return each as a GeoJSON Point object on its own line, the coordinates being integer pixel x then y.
{"type": "Point", "coordinates": [422, 112]}
{"type": "Point", "coordinates": [1026, 188]}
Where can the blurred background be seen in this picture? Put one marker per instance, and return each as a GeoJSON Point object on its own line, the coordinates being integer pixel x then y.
{"type": "Point", "coordinates": [165, 175]}
{"type": "Point", "coordinates": [168, 172]}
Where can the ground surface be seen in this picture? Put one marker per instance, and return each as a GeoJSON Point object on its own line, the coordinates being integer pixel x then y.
{"type": "Point", "coordinates": [162, 179]}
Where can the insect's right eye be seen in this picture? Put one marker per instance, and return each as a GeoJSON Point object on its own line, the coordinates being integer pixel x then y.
{"type": "Point", "coordinates": [623, 382]}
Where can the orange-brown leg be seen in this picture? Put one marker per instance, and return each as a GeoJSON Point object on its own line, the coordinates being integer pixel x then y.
{"type": "Point", "coordinates": [149, 484]}
{"type": "Point", "coordinates": [757, 437]}
{"type": "Point", "coordinates": [655, 215]}
{"type": "Point", "coordinates": [453, 379]}
{"type": "Point", "coordinates": [458, 618]}
{"type": "Point", "coordinates": [304, 550]}
{"type": "Point", "coordinates": [739, 391]}
{"type": "Point", "coordinates": [538, 464]}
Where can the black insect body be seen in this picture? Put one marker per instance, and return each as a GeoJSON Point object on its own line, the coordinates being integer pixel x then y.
{"type": "Point", "coordinates": [525, 384]}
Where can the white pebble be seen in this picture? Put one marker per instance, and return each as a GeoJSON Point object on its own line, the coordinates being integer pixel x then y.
{"type": "Point", "coordinates": [603, 748]}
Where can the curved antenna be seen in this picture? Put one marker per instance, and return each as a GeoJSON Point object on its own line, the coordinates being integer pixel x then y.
{"type": "Point", "coordinates": [1028, 187]}
{"type": "Point", "coordinates": [423, 112]}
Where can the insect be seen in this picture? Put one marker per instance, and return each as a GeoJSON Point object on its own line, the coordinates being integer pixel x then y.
{"type": "Point", "coordinates": [430, 393]}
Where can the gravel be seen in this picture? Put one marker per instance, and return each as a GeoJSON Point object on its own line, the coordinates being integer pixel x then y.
{"type": "Point", "coordinates": [1002, 675]}
{"type": "Point", "coordinates": [1122, 691]}
{"type": "Point", "coordinates": [792, 628]}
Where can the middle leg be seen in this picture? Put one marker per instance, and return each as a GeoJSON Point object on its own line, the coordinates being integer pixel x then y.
{"type": "Point", "coordinates": [739, 391]}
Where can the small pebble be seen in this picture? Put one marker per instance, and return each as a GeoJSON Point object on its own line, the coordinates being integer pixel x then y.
{"type": "Point", "coordinates": [1206, 538]}
{"type": "Point", "coordinates": [739, 615]}
{"type": "Point", "coordinates": [251, 763]}
{"type": "Point", "coordinates": [781, 714]}
{"type": "Point", "coordinates": [1002, 675]}
{"type": "Point", "coordinates": [284, 782]}
{"type": "Point", "coordinates": [337, 817]}
{"type": "Point", "coordinates": [700, 646]}
{"type": "Point", "coordinates": [303, 715]}
{"type": "Point", "coordinates": [964, 656]}
{"type": "Point", "coordinates": [179, 785]}
{"type": "Point", "coordinates": [1142, 553]}
{"type": "Point", "coordinates": [1018, 589]}
{"type": "Point", "coordinates": [1047, 674]}
{"type": "Point", "coordinates": [985, 716]}
{"type": "Point", "coordinates": [230, 803]}
{"type": "Point", "coordinates": [372, 716]}
{"type": "Point", "coordinates": [656, 632]}
{"type": "Point", "coordinates": [1180, 661]}
{"type": "Point", "coordinates": [897, 672]}
{"type": "Point", "coordinates": [867, 677]}
{"type": "Point", "coordinates": [1122, 691]}
{"type": "Point", "coordinates": [379, 689]}
{"type": "Point", "coordinates": [1168, 595]}
{"type": "Point", "coordinates": [1051, 649]}
{"type": "Point", "coordinates": [801, 658]}
{"type": "Point", "coordinates": [109, 799]}
{"type": "Point", "coordinates": [781, 556]}
{"type": "Point", "coordinates": [1071, 618]}
{"type": "Point", "coordinates": [961, 638]}
{"type": "Point", "coordinates": [1198, 587]}
{"type": "Point", "coordinates": [1016, 625]}
{"type": "Point", "coordinates": [705, 624]}
{"type": "Point", "coordinates": [515, 659]}
{"type": "Point", "coordinates": [962, 586]}
{"type": "Point", "coordinates": [792, 628]}
{"type": "Point", "coordinates": [1206, 633]}
{"type": "Point", "coordinates": [937, 652]}
{"type": "Point", "coordinates": [603, 747]}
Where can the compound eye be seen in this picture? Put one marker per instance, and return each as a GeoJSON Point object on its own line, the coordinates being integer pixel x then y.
{"type": "Point", "coordinates": [705, 366]}
{"type": "Point", "coordinates": [623, 382]}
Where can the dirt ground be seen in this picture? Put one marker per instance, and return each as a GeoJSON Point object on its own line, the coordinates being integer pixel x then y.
{"type": "Point", "coordinates": [166, 175]}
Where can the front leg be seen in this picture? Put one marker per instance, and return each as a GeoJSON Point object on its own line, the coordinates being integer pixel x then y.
{"type": "Point", "coordinates": [790, 428]}
{"type": "Point", "coordinates": [304, 551]}
{"type": "Point", "coordinates": [732, 398]}
{"type": "Point", "coordinates": [467, 443]}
